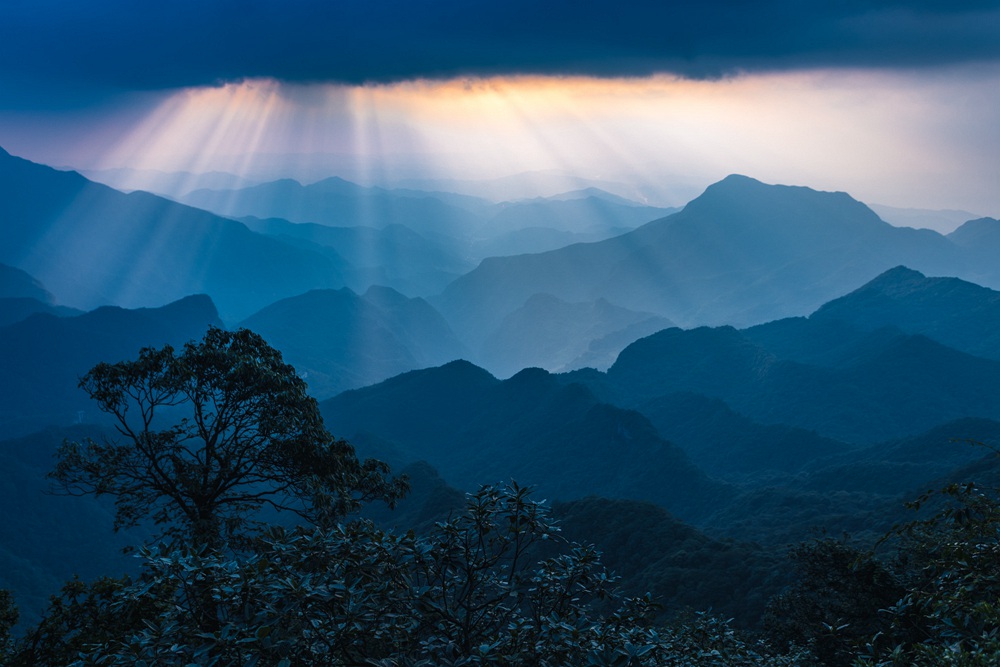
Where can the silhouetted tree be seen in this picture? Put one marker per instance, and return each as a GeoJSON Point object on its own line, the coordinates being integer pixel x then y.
{"type": "Point", "coordinates": [212, 435]}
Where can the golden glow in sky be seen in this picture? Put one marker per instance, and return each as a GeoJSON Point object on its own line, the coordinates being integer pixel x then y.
{"type": "Point", "coordinates": [927, 142]}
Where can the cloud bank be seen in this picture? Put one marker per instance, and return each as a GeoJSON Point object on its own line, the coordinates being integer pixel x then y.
{"type": "Point", "coordinates": [123, 44]}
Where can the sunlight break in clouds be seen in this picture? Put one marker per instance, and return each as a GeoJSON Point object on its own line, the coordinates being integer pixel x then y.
{"type": "Point", "coordinates": [887, 138]}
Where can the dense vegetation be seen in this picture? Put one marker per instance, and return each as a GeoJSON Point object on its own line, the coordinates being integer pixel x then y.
{"type": "Point", "coordinates": [497, 581]}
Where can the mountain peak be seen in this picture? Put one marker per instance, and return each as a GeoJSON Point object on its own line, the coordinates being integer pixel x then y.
{"type": "Point", "coordinates": [955, 312]}
{"type": "Point", "coordinates": [786, 209]}
{"type": "Point", "coordinates": [976, 232]}
{"type": "Point", "coordinates": [732, 179]}
{"type": "Point", "coordinates": [741, 185]}
{"type": "Point", "coordinates": [895, 277]}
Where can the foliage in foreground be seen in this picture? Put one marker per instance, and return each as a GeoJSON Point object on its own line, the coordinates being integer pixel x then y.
{"type": "Point", "coordinates": [950, 614]}
{"type": "Point", "coordinates": [475, 590]}
{"type": "Point", "coordinates": [494, 585]}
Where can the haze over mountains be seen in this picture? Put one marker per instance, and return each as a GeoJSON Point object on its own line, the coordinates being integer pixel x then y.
{"type": "Point", "coordinates": [767, 362]}
{"type": "Point", "coordinates": [92, 246]}
{"type": "Point", "coordinates": [742, 253]}
{"type": "Point", "coordinates": [43, 356]}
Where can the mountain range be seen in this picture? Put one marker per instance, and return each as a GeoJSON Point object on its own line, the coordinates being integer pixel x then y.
{"type": "Point", "coordinates": [43, 356]}
{"type": "Point", "coordinates": [467, 227]}
{"type": "Point", "coordinates": [530, 427]}
{"type": "Point", "coordinates": [339, 340]}
{"type": "Point", "coordinates": [742, 253]}
{"type": "Point", "coordinates": [91, 246]}
{"type": "Point", "coordinates": [822, 377]}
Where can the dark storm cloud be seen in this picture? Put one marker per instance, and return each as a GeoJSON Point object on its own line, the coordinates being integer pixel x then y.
{"type": "Point", "coordinates": [135, 44]}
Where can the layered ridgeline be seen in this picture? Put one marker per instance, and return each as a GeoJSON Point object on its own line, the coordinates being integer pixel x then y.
{"type": "Point", "coordinates": [339, 203]}
{"type": "Point", "coordinates": [660, 433]}
{"type": "Point", "coordinates": [951, 311]}
{"type": "Point", "coordinates": [335, 338]}
{"type": "Point", "coordinates": [474, 428]}
{"type": "Point", "coordinates": [549, 333]}
{"type": "Point", "coordinates": [469, 227]}
{"type": "Point", "coordinates": [21, 295]}
{"type": "Point", "coordinates": [43, 356]}
{"type": "Point", "coordinates": [92, 246]}
{"type": "Point", "coordinates": [742, 253]}
{"type": "Point", "coordinates": [893, 358]}
{"type": "Point", "coordinates": [780, 410]}
{"type": "Point", "coordinates": [340, 340]}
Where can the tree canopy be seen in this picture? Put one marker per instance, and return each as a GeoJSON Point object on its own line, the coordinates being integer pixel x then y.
{"type": "Point", "coordinates": [210, 436]}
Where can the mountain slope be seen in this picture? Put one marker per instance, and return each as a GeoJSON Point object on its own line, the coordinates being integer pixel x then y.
{"type": "Point", "coordinates": [339, 340]}
{"type": "Point", "coordinates": [980, 239]}
{"type": "Point", "coordinates": [954, 312]}
{"type": "Point", "coordinates": [730, 446]}
{"type": "Point", "coordinates": [549, 333]}
{"type": "Point", "coordinates": [474, 429]}
{"type": "Point", "coordinates": [22, 296]}
{"type": "Point", "coordinates": [16, 309]}
{"type": "Point", "coordinates": [893, 386]}
{"type": "Point", "coordinates": [43, 357]}
{"type": "Point", "coordinates": [91, 245]}
{"type": "Point", "coordinates": [743, 252]}
{"type": "Point", "coordinates": [16, 284]}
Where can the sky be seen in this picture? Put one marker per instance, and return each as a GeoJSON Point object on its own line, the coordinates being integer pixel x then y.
{"type": "Point", "coordinates": [897, 103]}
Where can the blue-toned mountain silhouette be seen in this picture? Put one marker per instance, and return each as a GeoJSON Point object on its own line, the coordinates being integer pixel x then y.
{"type": "Point", "coordinates": [742, 253]}
{"type": "Point", "coordinates": [532, 428]}
{"type": "Point", "coordinates": [22, 296]}
{"type": "Point", "coordinates": [339, 203]}
{"type": "Point", "coordinates": [892, 386]}
{"type": "Point", "coordinates": [954, 312]}
{"type": "Point", "coordinates": [393, 256]}
{"type": "Point", "coordinates": [548, 332]}
{"type": "Point", "coordinates": [338, 340]}
{"type": "Point", "coordinates": [91, 245]}
{"type": "Point", "coordinates": [43, 357]}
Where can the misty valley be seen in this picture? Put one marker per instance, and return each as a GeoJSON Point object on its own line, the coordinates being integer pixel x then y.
{"type": "Point", "coordinates": [758, 429]}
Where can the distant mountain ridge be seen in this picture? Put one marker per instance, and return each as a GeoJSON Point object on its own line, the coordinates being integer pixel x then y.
{"type": "Point", "coordinates": [941, 221]}
{"type": "Point", "coordinates": [339, 203]}
{"type": "Point", "coordinates": [897, 386]}
{"type": "Point", "coordinates": [92, 245]}
{"type": "Point", "coordinates": [21, 296]}
{"type": "Point", "coordinates": [548, 332]}
{"type": "Point", "coordinates": [954, 312]}
{"type": "Point", "coordinates": [741, 253]}
{"type": "Point", "coordinates": [43, 357]}
{"type": "Point", "coordinates": [340, 340]}
{"type": "Point", "coordinates": [532, 428]}
{"type": "Point", "coordinates": [470, 228]}
{"type": "Point", "coordinates": [18, 284]}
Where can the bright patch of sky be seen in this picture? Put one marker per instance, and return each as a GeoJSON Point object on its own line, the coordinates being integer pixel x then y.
{"type": "Point", "coordinates": [928, 138]}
